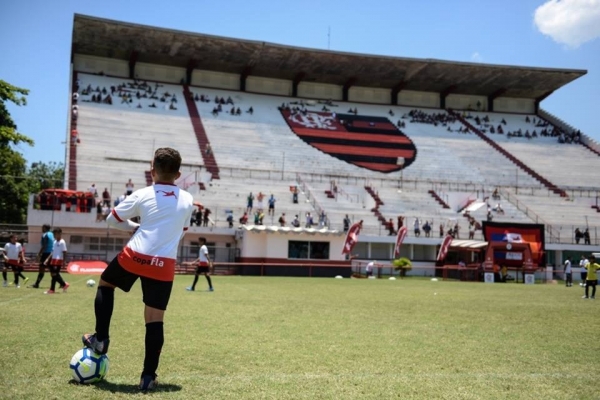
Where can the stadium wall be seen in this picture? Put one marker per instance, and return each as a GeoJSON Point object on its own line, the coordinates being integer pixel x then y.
{"type": "Point", "coordinates": [466, 102]}
{"type": "Point", "coordinates": [362, 94]}
{"type": "Point", "coordinates": [162, 73]}
{"type": "Point", "coordinates": [514, 105]}
{"type": "Point", "coordinates": [213, 79]}
{"type": "Point", "coordinates": [269, 86]}
{"type": "Point", "coordinates": [95, 65]}
{"type": "Point", "coordinates": [320, 91]}
{"type": "Point", "coordinates": [419, 99]}
{"type": "Point", "coordinates": [269, 245]}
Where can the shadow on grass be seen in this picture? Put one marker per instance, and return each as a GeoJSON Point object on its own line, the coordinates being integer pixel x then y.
{"type": "Point", "coordinates": [130, 388]}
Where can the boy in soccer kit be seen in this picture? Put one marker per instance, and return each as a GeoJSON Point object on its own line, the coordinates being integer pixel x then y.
{"type": "Point", "coordinates": [14, 257]}
{"type": "Point", "coordinates": [150, 255]}
{"type": "Point", "coordinates": [55, 261]}
{"type": "Point", "coordinates": [44, 253]}
{"type": "Point", "coordinates": [203, 267]}
{"type": "Point", "coordinates": [592, 278]}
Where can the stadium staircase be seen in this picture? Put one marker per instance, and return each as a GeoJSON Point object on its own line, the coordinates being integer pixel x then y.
{"type": "Point", "coordinates": [438, 199]}
{"type": "Point", "coordinates": [378, 203]}
{"type": "Point", "coordinates": [508, 155]}
{"type": "Point", "coordinates": [73, 145]}
{"type": "Point", "coordinates": [209, 159]}
{"type": "Point", "coordinates": [586, 141]}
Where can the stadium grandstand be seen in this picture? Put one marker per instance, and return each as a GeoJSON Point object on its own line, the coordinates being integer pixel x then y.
{"type": "Point", "coordinates": [375, 138]}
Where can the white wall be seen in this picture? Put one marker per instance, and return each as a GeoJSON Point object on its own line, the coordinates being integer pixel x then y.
{"type": "Point", "coordinates": [319, 91]}
{"type": "Point", "coordinates": [269, 86]}
{"type": "Point", "coordinates": [369, 95]}
{"type": "Point", "coordinates": [275, 245]}
{"type": "Point", "coordinates": [466, 102]}
{"type": "Point", "coordinates": [161, 73]}
{"type": "Point", "coordinates": [418, 99]}
{"type": "Point", "coordinates": [510, 104]}
{"type": "Point", "coordinates": [213, 79]}
{"type": "Point", "coordinates": [94, 65]}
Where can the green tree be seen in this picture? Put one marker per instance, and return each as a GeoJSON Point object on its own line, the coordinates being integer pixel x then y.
{"type": "Point", "coordinates": [45, 176]}
{"type": "Point", "coordinates": [13, 181]}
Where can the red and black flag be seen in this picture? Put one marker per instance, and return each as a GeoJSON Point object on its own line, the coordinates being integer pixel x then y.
{"type": "Point", "coordinates": [352, 237]}
{"type": "Point", "coordinates": [368, 142]}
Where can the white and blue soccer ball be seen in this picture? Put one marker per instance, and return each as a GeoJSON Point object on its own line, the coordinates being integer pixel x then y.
{"type": "Point", "coordinates": [91, 283]}
{"type": "Point", "coordinates": [88, 366]}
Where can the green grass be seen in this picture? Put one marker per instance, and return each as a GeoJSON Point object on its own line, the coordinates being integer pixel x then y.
{"type": "Point", "coordinates": [300, 338]}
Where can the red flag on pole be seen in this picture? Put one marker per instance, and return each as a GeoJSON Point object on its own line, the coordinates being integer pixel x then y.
{"type": "Point", "coordinates": [399, 239]}
{"type": "Point", "coordinates": [352, 237]}
{"type": "Point", "coordinates": [444, 247]}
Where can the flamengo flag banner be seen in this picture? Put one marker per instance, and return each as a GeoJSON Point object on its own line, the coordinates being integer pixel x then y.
{"type": "Point", "coordinates": [399, 239]}
{"type": "Point", "coordinates": [86, 267]}
{"type": "Point", "coordinates": [444, 248]}
{"type": "Point", "coordinates": [352, 237]}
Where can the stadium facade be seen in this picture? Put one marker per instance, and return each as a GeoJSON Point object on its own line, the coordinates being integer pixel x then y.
{"type": "Point", "coordinates": [368, 136]}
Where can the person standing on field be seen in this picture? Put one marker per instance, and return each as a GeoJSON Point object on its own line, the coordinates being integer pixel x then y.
{"type": "Point", "coordinates": [56, 261]}
{"type": "Point", "coordinates": [592, 278]}
{"type": "Point", "coordinates": [583, 269]}
{"type": "Point", "coordinates": [14, 257]}
{"type": "Point", "coordinates": [203, 266]}
{"type": "Point", "coordinates": [165, 212]}
{"type": "Point", "coordinates": [45, 251]}
{"type": "Point", "coordinates": [568, 273]}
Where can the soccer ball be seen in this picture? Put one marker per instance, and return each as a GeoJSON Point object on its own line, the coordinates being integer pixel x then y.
{"type": "Point", "coordinates": [91, 283]}
{"type": "Point", "coordinates": [88, 366]}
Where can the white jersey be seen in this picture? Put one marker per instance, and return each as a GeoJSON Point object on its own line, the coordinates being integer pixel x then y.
{"type": "Point", "coordinates": [13, 251]}
{"type": "Point", "coordinates": [567, 267]}
{"type": "Point", "coordinates": [165, 212]}
{"type": "Point", "coordinates": [59, 247]}
{"type": "Point", "coordinates": [203, 254]}
{"type": "Point", "coordinates": [370, 266]}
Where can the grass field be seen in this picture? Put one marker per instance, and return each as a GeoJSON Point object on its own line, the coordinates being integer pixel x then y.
{"type": "Point", "coordinates": [301, 338]}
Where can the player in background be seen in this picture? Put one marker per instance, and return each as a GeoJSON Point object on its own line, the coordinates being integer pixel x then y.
{"type": "Point", "coordinates": [44, 253]}
{"type": "Point", "coordinates": [14, 257]}
{"type": "Point", "coordinates": [369, 268]}
{"type": "Point", "coordinates": [56, 260]}
{"type": "Point", "coordinates": [583, 263]}
{"type": "Point", "coordinates": [165, 212]}
{"type": "Point", "coordinates": [592, 278]}
{"type": "Point", "coordinates": [203, 266]}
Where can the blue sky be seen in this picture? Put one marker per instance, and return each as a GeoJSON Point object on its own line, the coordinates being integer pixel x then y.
{"type": "Point", "coordinates": [35, 37]}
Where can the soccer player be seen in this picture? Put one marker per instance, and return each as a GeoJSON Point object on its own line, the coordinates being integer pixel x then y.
{"type": "Point", "coordinates": [203, 266]}
{"type": "Point", "coordinates": [592, 277]}
{"type": "Point", "coordinates": [14, 257]}
{"type": "Point", "coordinates": [44, 253]}
{"type": "Point", "coordinates": [56, 260]}
{"type": "Point", "coordinates": [150, 255]}
{"type": "Point", "coordinates": [568, 273]}
{"type": "Point", "coordinates": [583, 265]}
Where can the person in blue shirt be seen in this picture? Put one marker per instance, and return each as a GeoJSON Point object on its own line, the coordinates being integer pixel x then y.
{"type": "Point", "coordinates": [44, 253]}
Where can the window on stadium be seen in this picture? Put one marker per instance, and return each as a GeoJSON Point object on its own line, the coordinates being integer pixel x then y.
{"type": "Point", "coordinates": [308, 250]}
{"type": "Point", "coordinates": [103, 243]}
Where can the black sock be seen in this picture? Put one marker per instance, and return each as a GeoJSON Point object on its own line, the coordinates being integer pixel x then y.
{"type": "Point", "coordinates": [195, 281]}
{"type": "Point", "coordinates": [209, 281]}
{"type": "Point", "coordinates": [586, 290]}
{"type": "Point", "coordinates": [53, 283]}
{"type": "Point", "coordinates": [154, 342]}
{"type": "Point", "coordinates": [103, 306]}
{"type": "Point", "coordinates": [60, 280]}
{"type": "Point", "coordinates": [39, 278]}
{"type": "Point", "coordinates": [4, 275]}
{"type": "Point", "coordinates": [16, 278]}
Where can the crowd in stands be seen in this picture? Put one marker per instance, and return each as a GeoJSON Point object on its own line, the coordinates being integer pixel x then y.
{"type": "Point", "coordinates": [220, 103]}
{"type": "Point", "coordinates": [585, 235]}
{"type": "Point", "coordinates": [435, 119]}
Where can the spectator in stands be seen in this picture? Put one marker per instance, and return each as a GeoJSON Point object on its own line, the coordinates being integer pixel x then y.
{"type": "Point", "coordinates": [238, 111]}
{"type": "Point", "coordinates": [472, 229]}
{"type": "Point", "coordinates": [259, 198]}
{"type": "Point", "coordinates": [400, 221]}
{"type": "Point", "coordinates": [578, 235]}
{"type": "Point", "coordinates": [296, 222]}
{"type": "Point", "coordinates": [106, 197]}
{"type": "Point", "coordinates": [153, 105]}
{"type": "Point", "coordinates": [244, 218]}
{"type": "Point", "coordinates": [250, 110]}
{"type": "Point", "coordinates": [208, 150]}
{"type": "Point", "coordinates": [417, 227]}
{"type": "Point", "coordinates": [322, 219]}
{"type": "Point", "coordinates": [172, 107]}
{"type": "Point", "coordinates": [229, 100]}
{"type": "Point", "coordinates": [427, 229]}
{"type": "Point", "coordinates": [206, 217]}
{"type": "Point", "coordinates": [282, 220]}
{"type": "Point", "coordinates": [309, 220]}
{"type": "Point", "coordinates": [346, 223]}
{"type": "Point", "coordinates": [489, 216]}
{"type": "Point", "coordinates": [92, 190]}
{"type": "Point", "coordinates": [295, 195]}
{"type": "Point", "coordinates": [250, 202]}
{"type": "Point", "coordinates": [456, 230]}
{"type": "Point", "coordinates": [271, 202]}
{"type": "Point", "coordinates": [586, 236]}
{"type": "Point", "coordinates": [129, 187]}
{"type": "Point", "coordinates": [229, 216]}
{"type": "Point", "coordinates": [75, 97]}
{"type": "Point", "coordinates": [390, 227]}
{"type": "Point", "coordinates": [99, 216]}
{"type": "Point", "coordinates": [441, 230]}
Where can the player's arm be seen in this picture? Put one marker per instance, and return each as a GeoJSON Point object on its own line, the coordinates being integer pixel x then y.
{"type": "Point", "coordinates": [4, 252]}
{"type": "Point", "coordinates": [196, 261]}
{"type": "Point", "coordinates": [47, 260]}
{"type": "Point", "coordinates": [22, 256]}
{"type": "Point", "coordinates": [119, 217]}
{"type": "Point", "coordinates": [44, 244]}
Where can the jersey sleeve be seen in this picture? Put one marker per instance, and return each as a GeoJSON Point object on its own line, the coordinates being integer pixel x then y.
{"type": "Point", "coordinates": [63, 245]}
{"type": "Point", "coordinates": [127, 209]}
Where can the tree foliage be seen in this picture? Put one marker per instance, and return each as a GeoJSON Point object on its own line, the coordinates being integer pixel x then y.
{"type": "Point", "coordinates": [13, 181]}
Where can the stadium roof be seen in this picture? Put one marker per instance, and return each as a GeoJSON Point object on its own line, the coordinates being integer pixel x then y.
{"type": "Point", "coordinates": [128, 41]}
